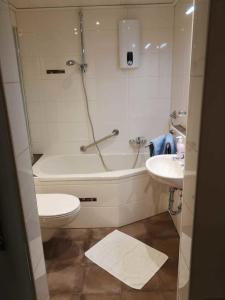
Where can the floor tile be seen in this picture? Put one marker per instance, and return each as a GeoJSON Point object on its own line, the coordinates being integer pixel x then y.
{"type": "Point", "coordinates": [168, 275]}
{"type": "Point", "coordinates": [152, 285]}
{"type": "Point", "coordinates": [169, 295]}
{"type": "Point", "coordinates": [65, 248]}
{"type": "Point", "coordinates": [169, 246]}
{"type": "Point", "coordinates": [100, 297]}
{"type": "Point", "coordinates": [99, 233]}
{"type": "Point", "coordinates": [65, 297]}
{"type": "Point", "coordinates": [135, 230]}
{"type": "Point", "coordinates": [65, 279]}
{"type": "Point", "coordinates": [142, 296]}
{"type": "Point", "coordinates": [163, 229]}
{"type": "Point", "coordinates": [98, 281]}
{"type": "Point", "coordinates": [72, 276]}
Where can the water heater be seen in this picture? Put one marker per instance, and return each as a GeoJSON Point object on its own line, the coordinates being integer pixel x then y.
{"type": "Point", "coordinates": [129, 44]}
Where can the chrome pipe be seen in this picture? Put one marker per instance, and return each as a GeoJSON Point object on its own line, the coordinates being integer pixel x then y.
{"type": "Point", "coordinates": [114, 133]}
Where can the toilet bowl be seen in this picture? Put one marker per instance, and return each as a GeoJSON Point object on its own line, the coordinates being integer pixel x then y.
{"type": "Point", "coordinates": [56, 211]}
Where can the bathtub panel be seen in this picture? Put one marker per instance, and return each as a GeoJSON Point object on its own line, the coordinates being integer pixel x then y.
{"type": "Point", "coordinates": [123, 196]}
{"type": "Point", "coordinates": [120, 201]}
{"type": "Point", "coordinates": [94, 217]}
{"type": "Point", "coordinates": [106, 193]}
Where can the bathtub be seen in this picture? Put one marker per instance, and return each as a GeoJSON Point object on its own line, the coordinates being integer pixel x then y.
{"type": "Point", "coordinates": [108, 199]}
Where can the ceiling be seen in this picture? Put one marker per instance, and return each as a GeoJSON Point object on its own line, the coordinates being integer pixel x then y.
{"type": "Point", "coordinates": [63, 3]}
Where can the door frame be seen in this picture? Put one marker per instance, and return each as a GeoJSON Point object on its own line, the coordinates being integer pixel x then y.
{"type": "Point", "coordinates": [16, 277]}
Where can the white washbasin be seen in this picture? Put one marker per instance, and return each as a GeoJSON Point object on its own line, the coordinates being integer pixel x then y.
{"type": "Point", "coordinates": [166, 169]}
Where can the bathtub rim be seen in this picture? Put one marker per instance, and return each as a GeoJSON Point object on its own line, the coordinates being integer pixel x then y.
{"type": "Point", "coordinates": [111, 175]}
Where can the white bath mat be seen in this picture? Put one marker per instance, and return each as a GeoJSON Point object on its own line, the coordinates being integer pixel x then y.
{"type": "Point", "coordinates": [127, 259]}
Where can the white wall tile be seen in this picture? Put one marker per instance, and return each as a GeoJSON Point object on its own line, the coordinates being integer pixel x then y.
{"type": "Point", "coordinates": [130, 100]}
{"type": "Point", "coordinates": [194, 110]}
{"type": "Point", "coordinates": [152, 16]}
{"type": "Point", "coordinates": [144, 88]}
{"type": "Point", "coordinates": [107, 18]}
{"type": "Point", "coordinates": [28, 44]}
{"type": "Point", "coordinates": [31, 68]}
{"type": "Point", "coordinates": [74, 131]}
{"type": "Point", "coordinates": [36, 111]}
{"type": "Point", "coordinates": [200, 37]}
{"type": "Point", "coordinates": [181, 58]}
{"type": "Point", "coordinates": [16, 116]}
{"type": "Point", "coordinates": [192, 142]}
{"type": "Point", "coordinates": [8, 59]}
{"type": "Point", "coordinates": [25, 177]}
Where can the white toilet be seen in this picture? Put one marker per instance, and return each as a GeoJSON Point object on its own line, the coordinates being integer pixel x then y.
{"type": "Point", "coordinates": [55, 211]}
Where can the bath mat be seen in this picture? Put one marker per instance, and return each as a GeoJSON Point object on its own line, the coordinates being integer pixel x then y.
{"type": "Point", "coordinates": [127, 259]}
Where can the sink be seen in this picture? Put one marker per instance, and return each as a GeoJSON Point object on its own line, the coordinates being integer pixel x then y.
{"type": "Point", "coordinates": [166, 169]}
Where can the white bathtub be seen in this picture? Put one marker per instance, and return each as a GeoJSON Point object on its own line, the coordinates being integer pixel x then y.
{"type": "Point", "coordinates": [109, 199]}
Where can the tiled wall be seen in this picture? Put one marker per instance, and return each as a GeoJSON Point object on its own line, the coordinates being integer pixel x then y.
{"type": "Point", "coordinates": [181, 58]}
{"type": "Point", "coordinates": [21, 151]}
{"type": "Point", "coordinates": [192, 144]}
{"type": "Point", "coordinates": [137, 102]}
{"type": "Point", "coordinates": [182, 39]}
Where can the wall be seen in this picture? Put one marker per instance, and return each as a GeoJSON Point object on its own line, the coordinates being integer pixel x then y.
{"type": "Point", "coordinates": [192, 142]}
{"type": "Point", "coordinates": [182, 40]}
{"type": "Point", "coordinates": [137, 102]}
{"type": "Point", "coordinates": [18, 133]}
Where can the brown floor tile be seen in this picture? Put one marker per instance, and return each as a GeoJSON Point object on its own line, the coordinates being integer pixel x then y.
{"type": "Point", "coordinates": [135, 230]}
{"type": "Point", "coordinates": [100, 297]}
{"type": "Point", "coordinates": [72, 276]}
{"type": "Point", "coordinates": [65, 297]}
{"type": "Point", "coordinates": [138, 295]}
{"type": "Point", "coordinates": [169, 246]}
{"type": "Point", "coordinates": [77, 234]}
{"type": "Point", "coordinates": [98, 281]}
{"type": "Point", "coordinates": [152, 285]}
{"type": "Point", "coordinates": [63, 248]}
{"type": "Point", "coordinates": [65, 279]}
{"type": "Point", "coordinates": [161, 230]}
{"type": "Point", "coordinates": [169, 295]}
{"type": "Point", "coordinates": [158, 218]}
{"type": "Point", "coordinates": [168, 275]}
{"type": "Point", "coordinates": [99, 233]}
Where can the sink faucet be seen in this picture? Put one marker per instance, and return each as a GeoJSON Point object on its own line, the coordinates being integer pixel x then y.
{"type": "Point", "coordinates": [180, 159]}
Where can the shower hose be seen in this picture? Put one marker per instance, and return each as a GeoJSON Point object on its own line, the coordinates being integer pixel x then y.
{"type": "Point", "coordinates": [93, 131]}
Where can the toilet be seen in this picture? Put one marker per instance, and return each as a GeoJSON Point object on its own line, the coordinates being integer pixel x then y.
{"type": "Point", "coordinates": [56, 211]}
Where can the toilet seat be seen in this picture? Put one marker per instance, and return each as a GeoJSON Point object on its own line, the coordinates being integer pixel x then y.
{"type": "Point", "coordinates": [57, 205]}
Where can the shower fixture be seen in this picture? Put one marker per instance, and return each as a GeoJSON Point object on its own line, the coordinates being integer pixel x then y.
{"type": "Point", "coordinates": [83, 69]}
{"type": "Point", "coordinates": [140, 140]}
{"type": "Point", "coordinates": [72, 62]}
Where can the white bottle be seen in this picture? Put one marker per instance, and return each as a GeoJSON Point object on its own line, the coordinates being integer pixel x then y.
{"type": "Point", "coordinates": [180, 147]}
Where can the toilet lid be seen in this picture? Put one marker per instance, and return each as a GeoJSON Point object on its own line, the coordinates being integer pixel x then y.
{"type": "Point", "coordinates": [56, 204]}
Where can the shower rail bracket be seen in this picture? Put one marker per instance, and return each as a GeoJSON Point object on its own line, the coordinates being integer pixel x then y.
{"type": "Point", "coordinates": [114, 133]}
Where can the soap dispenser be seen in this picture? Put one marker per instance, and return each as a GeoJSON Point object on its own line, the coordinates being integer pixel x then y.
{"type": "Point", "coordinates": [180, 147]}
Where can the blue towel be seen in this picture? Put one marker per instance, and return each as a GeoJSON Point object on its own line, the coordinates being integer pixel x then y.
{"type": "Point", "coordinates": [169, 144]}
{"type": "Point", "coordinates": [164, 144]}
{"type": "Point", "coordinates": [157, 145]}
